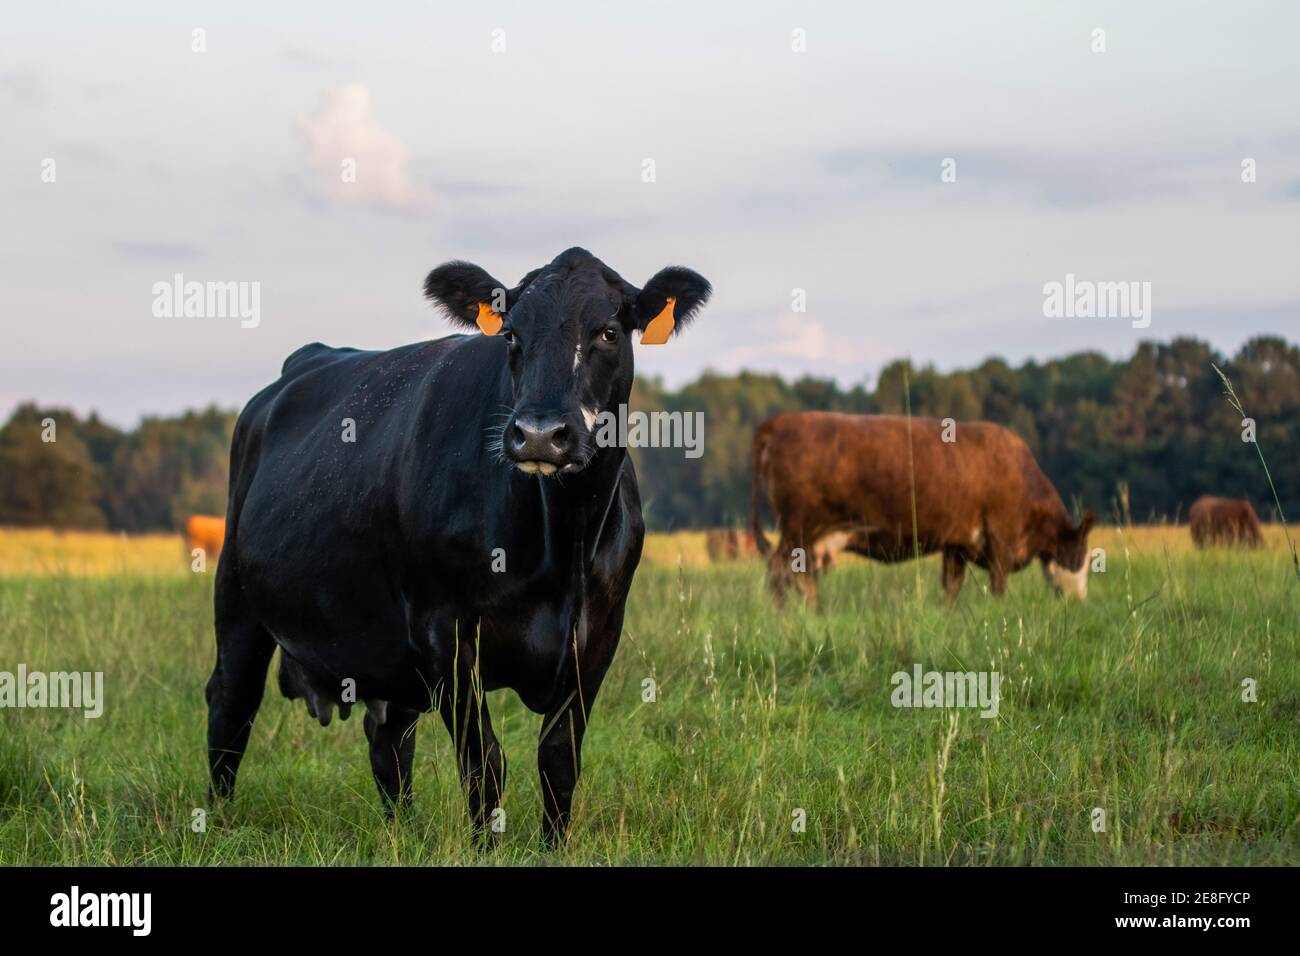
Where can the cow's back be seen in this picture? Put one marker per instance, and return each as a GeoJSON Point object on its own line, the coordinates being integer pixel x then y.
{"type": "Point", "coordinates": [313, 528]}
{"type": "Point", "coordinates": [331, 430]}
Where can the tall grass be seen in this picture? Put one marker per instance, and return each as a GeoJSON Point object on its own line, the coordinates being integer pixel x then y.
{"type": "Point", "coordinates": [1235, 402]}
{"type": "Point", "coordinates": [1133, 706]}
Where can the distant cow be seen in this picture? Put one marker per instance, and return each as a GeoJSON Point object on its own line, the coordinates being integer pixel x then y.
{"type": "Point", "coordinates": [845, 482]}
{"type": "Point", "coordinates": [207, 532]}
{"type": "Point", "coordinates": [1224, 521]}
{"type": "Point", "coordinates": [729, 544]}
{"type": "Point", "coordinates": [417, 526]}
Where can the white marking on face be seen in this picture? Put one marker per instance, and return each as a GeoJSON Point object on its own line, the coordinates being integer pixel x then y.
{"type": "Point", "coordinates": [589, 416]}
{"type": "Point", "coordinates": [577, 357]}
{"type": "Point", "coordinates": [1069, 583]}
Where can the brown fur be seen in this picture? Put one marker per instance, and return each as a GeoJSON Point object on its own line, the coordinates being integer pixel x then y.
{"type": "Point", "coordinates": [1224, 521]}
{"type": "Point", "coordinates": [206, 532]}
{"type": "Point", "coordinates": [980, 499]}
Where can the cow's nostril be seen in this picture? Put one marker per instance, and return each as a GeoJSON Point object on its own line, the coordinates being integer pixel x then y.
{"type": "Point", "coordinates": [543, 440]}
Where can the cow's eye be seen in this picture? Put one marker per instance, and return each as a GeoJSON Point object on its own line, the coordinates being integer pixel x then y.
{"type": "Point", "coordinates": [609, 335]}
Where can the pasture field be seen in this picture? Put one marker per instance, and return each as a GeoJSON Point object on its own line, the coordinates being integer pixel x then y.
{"type": "Point", "coordinates": [1131, 703]}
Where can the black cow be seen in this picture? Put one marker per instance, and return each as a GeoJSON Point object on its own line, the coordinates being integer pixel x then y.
{"type": "Point", "coordinates": [374, 563]}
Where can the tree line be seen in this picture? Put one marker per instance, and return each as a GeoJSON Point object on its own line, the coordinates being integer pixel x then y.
{"type": "Point", "coordinates": [1139, 439]}
{"type": "Point", "coordinates": [62, 471]}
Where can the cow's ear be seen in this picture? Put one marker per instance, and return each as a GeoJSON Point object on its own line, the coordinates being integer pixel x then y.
{"type": "Point", "coordinates": [668, 301]}
{"type": "Point", "coordinates": [1086, 524]}
{"type": "Point", "coordinates": [468, 296]}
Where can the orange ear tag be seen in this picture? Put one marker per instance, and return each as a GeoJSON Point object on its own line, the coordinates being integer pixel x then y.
{"type": "Point", "coordinates": [488, 319]}
{"type": "Point", "coordinates": [657, 332]}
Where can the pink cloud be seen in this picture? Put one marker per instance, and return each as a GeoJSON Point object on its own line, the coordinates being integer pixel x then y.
{"type": "Point", "coordinates": [355, 159]}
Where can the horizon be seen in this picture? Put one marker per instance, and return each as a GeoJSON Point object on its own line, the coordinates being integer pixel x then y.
{"type": "Point", "coordinates": [868, 382]}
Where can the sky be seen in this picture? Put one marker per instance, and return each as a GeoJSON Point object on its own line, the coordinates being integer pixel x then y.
{"type": "Point", "coordinates": [803, 158]}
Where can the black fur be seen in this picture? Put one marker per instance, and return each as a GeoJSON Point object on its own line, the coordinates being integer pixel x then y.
{"type": "Point", "coordinates": [370, 564]}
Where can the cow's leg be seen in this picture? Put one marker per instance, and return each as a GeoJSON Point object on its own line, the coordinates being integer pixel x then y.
{"type": "Point", "coordinates": [391, 732]}
{"type": "Point", "coordinates": [559, 747]}
{"type": "Point", "coordinates": [806, 582]}
{"type": "Point", "coordinates": [559, 762]}
{"type": "Point", "coordinates": [234, 691]}
{"type": "Point", "coordinates": [954, 572]}
{"type": "Point", "coordinates": [778, 573]}
{"type": "Point", "coordinates": [781, 573]}
{"type": "Point", "coordinates": [999, 568]}
{"type": "Point", "coordinates": [479, 756]}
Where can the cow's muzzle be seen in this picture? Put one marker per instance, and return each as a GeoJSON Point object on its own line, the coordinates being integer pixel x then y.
{"type": "Point", "coordinates": [1067, 583]}
{"type": "Point", "coordinates": [542, 444]}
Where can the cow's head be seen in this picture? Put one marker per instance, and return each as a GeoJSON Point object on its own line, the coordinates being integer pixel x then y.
{"type": "Point", "coordinates": [567, 330]}
{"type": "Point", "coordinates": [1067, 569]}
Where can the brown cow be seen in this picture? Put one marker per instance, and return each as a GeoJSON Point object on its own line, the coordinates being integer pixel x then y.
{"type": "Point", "coordinates": [206, 532]}
{"type": "Point", "coordinates": [838, 481]}
{"type": "Point", "coordinates": [1225, 521]}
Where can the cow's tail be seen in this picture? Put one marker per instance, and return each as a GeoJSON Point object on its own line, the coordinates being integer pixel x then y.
{"type": "Point", "coordinates": [756, 492]}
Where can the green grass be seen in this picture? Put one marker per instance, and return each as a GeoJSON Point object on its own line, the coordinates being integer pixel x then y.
{"type": "Point", "coordinates": [1131, 703]}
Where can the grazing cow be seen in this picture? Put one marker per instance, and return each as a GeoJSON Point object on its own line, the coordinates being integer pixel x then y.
{"type": "Point", "coordinates": [206, 532]}
{"type": "Point", "coordinates": [845, 482]}
{"type": "Point", "coordinates": [1225, 521]}
{"type": "Point", "coordinates": [416, 526]}
{"type": "Point", "coordinates": [729, 544]}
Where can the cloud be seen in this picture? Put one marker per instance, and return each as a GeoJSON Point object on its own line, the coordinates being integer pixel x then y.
{"type": "Point", "coordinates": [311, 58]}
{"type": "Point", "coordinates": [797, 337]}
{"type": "Point", "coordinates": [355, 159]}
{"type": "Point", "coordinates": [1054, 179]}
{"type": "Point", "coordinates": [155, 250]}
{"type": "Point", "coordinates": [87, 154]}
{"type": "Point", "coordinates": [24, 86]}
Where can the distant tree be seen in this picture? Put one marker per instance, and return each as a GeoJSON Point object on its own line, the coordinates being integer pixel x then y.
{"type": "Point", "coordinates": [47, 483]}
{"type": "Point", "coordinates": [890, 391]}
{"type": "Point", "coordinates": [169, 468]}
